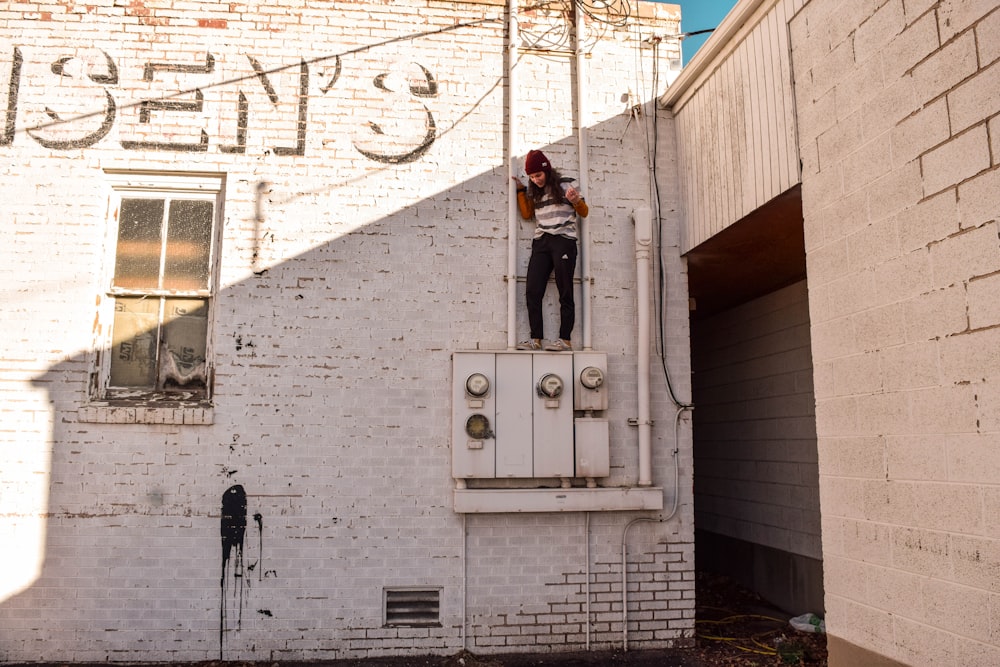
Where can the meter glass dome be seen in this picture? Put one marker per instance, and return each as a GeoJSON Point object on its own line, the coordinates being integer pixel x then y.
{"type": "Point", "coordinates": [477, 427]}
{"type": "Point", "coordinates": [592, 377]}
{"type": "Point", "coordinates": [551, 385]}
{"type": "Point", "coordinates": [477, 385]}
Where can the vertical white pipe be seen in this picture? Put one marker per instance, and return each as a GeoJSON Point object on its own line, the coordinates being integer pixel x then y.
{"type": "Point", "coordinates": [643, 252]}
{"type": "Point", "coordinates": [586, 537]}
{"type": "Point", "coordinates": [582, 149]}
{"type": "Point", "coordinates": [465, 580]}
{"type": "Point", "coordinates": [512, 213]}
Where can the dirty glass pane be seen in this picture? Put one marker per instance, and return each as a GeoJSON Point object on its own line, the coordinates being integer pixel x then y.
{"type": "Point", "coordinates": [182, 358]}
{"type": "Point", "coordinates": [189, 240]}
{"type": "Point", "coordinates": [137, 261]}
{"type": "Point", "coordinates": [133, 348]}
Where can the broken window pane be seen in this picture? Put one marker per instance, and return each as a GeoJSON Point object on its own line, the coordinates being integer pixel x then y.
{"type": "Point", "coordinates": [182, 354]}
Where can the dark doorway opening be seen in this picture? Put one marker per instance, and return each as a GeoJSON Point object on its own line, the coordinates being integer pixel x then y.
{"type": "Point", "coordinates": [756, 475]}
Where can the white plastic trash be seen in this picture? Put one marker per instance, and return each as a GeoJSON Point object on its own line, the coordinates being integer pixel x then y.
{"type": "Point", "coordinates": [808, 622]}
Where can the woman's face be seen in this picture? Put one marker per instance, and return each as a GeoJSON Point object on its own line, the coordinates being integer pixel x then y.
{"type": "Point", "coordinates": [538, 178]}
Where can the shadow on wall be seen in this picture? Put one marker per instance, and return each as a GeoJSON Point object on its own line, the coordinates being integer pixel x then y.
{"type": "Point", "coordinates": [331, 380]}
{"type": "Point", "coordinates": [331, 412]}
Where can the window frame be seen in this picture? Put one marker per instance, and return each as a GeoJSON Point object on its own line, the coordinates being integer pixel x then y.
{"type": "Point", "coordinates": [125, 184]}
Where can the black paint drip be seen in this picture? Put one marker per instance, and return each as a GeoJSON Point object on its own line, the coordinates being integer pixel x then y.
{"type": "Point", "coordinates": [260, 549]}
{"type": "Point", "coordinates": [233, 528]}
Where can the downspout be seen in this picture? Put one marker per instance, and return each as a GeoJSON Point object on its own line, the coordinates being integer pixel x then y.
{"type": "Point", "coordinates": [643, 251]}
{"type": "Point", "coordinates": [465, 581]}
{"type": "Point", "coordinates": [582, 149]}
{"type": "Point", "coordinates": [512, 213]}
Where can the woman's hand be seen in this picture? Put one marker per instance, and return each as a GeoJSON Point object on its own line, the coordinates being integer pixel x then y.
{"type": "Point", "coordinates": [572, 195]}
{"type": "Point", "coordinates": [518, 181]}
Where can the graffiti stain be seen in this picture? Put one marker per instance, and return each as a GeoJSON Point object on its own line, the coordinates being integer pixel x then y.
{"type": "Point", "coordinates": [232, 529]}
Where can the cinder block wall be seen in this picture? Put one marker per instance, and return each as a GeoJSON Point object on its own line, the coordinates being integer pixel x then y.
{"type": "Point", "coordinates": [757, 490]}
{"type": "Point", "coordinates": [898, 105]}
{"type": "Point", "coordinates": [376, 133]}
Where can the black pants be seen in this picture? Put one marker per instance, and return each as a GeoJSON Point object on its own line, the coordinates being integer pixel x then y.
{"type": "Point", "coordinates": [551, 253]}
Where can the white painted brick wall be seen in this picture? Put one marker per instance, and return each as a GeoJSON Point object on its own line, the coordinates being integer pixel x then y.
{"type": "Point", "coordinates": [904, 337]}
{"type": "Point", "coordinates": [332, 346]}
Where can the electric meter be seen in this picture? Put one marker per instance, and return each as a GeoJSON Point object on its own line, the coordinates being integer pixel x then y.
{"type": "Point", "coordinates": [550, 386]}
{"type": "Point", "coordinates": [592, 377]}
{"type": "Point", "coordinates": [477, 385]}
{"type": "Point", "coordinates": [477, 427]}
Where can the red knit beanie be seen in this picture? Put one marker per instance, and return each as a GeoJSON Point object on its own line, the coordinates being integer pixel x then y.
{"type": "Point", "coordinates": [535, 162]}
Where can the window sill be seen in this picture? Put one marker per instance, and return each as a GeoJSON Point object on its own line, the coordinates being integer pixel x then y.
{"type": "Point", "coordinates": [142, 412]}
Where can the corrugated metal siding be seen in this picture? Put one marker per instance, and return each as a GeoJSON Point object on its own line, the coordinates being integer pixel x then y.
{"type": "Point", "coordinates": [736, 132]}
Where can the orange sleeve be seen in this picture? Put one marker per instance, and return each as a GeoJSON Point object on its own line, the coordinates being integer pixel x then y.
{"type": "Point", "coordinates": [525, 205]}
{"type": "Point", "coordinates": [581, 208]}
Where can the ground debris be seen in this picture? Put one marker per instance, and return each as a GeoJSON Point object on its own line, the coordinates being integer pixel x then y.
{"type": "Point", "coordinates": [735, 628]}
{"type": "Point", "coordinates": [738, 628]}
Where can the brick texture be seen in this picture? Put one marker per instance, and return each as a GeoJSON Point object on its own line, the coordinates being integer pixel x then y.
{"type": "Point", "coordinates": [904, 340]}
{"type": "Point", "coordinates": [375, 133]}
{"type": "Point", "coordinates": [758, 462]}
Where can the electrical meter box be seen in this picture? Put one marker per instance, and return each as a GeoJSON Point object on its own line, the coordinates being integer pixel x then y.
{"type": "Point", "coordinates": [593, 458]}
{"type": "Point", "coordinates": [589, 389]}
{"type": "Point", "coordinates": [552, 415]}
{"type": "Point", "coordinates": [514, 452]}
{"type": "Point", "coordinates": [518, 415]}
{"type": "Point", "coordinates": [474, 414]}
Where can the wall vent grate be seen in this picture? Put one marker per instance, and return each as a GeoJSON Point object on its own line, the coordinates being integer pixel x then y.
{"type": "Point", "coordinates": [412, 607]}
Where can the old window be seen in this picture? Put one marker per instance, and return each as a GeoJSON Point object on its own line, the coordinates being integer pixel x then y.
{"type": "Point", "coordinates": [160, 291]}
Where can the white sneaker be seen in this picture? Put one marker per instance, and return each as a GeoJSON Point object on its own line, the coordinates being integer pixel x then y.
{"type": "Point", "coordinates": [530, 344]}
{"type": "Point", "coordinates": [559, 345]}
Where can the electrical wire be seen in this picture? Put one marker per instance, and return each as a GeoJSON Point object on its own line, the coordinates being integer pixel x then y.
{"type": "Point", "coordinates": [612, 12]}
{"type": "Point", "coordinates": [741, 643]}
{"type": "Point", "coordinates": [651, 127]}
{"type": "Point", "coordinates": [661, 293]}
{"type": "Point", "coordinates": [555, 29]}
{"type": "Point", "coordinates": [736, 617]}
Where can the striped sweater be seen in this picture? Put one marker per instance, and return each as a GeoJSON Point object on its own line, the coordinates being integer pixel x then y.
{"type": "Point", "coordinates": [552, 217]}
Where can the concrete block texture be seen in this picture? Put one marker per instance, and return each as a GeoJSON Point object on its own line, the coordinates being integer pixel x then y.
{"type": "Point", "coordinates": [903, 333]}
{"type": "Point", "coordinates": [363, 233]}
{"type": "Point", "coordinates": [755, 425]}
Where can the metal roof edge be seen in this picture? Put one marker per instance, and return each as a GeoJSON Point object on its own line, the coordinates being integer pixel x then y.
{"type": "Point", "coordinates": [710, 50]}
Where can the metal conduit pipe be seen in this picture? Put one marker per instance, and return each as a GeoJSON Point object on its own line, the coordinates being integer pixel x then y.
{"type": "Point", "coordinates": [586, 314]}
{"type": "Point", "coordinates": [643, 252]}
{"type": "Point", "coordinates": [625, 579]}
{"type": "Point", "coordinates": [663, 519]}
{"type": "Point", "coordinates": [586, 537]}
{"type": "Point", "coordinates": [585, 264]}
{"type": "Point", "coordinates": [465, 580]}
{"type": "Point", "coordinates": [512, 214]}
